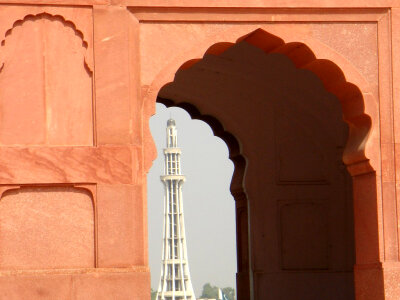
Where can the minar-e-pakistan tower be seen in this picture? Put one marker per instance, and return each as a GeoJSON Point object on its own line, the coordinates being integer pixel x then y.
{"type": "Point", "coordinates": [175, 283]}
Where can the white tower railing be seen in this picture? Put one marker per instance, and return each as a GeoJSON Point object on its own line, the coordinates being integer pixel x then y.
{"type": "Point", "coordinates": [175, 282]}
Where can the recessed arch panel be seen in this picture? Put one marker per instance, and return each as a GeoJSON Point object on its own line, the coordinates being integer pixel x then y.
{"type": "Point", "coordinates": [46, 92]}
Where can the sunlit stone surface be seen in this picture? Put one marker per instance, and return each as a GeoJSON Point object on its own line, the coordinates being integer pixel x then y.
{"type": "Point", "coordinates": [305, 94]}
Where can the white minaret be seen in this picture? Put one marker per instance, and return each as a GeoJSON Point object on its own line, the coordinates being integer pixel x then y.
{"type": "Point", "coordinates": [175, 283]}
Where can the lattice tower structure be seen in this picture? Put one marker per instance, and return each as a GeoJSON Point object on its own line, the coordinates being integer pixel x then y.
{"type": "Point", "coordinates": [175, 282]}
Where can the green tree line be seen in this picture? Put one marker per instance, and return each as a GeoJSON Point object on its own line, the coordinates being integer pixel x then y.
{"type": "Point", "coordinates": [211, 292]}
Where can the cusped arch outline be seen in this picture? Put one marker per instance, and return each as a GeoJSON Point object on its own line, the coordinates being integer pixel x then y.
{"type": "Point", "coordinates": [332, 78]}
{"type": "Point", "coordinates": [54, 18]}
{"type": "Point", "coordinates": [218, 130]}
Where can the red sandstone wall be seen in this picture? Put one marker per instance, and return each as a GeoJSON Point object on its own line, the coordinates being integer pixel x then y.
{"type": "Point", "coordinates": [72, 207]}
{"type": "Point", "coordinates": [78, 82]}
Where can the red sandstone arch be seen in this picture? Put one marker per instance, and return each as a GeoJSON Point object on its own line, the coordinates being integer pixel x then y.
{"type": "Point", "coordinates": [352, 96]}
{"type": "Point", "coordinates": [334, 81]}
{"type": "Point", "coordinates": [331, 76]}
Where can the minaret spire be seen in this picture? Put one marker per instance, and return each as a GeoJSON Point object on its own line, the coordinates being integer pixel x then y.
{"type": "Point", "coordinates": [175, 282]}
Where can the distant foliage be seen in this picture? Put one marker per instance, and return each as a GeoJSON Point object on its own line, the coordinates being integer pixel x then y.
{"type": "Point", "coordinates": [211, 292]}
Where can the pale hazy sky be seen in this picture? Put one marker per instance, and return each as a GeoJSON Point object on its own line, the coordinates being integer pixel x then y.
{"type": "Point", "coordinates": [208, 205]}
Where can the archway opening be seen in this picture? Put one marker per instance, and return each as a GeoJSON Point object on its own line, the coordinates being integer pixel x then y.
{"type": "Point", "coordinates": [298, 122]}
